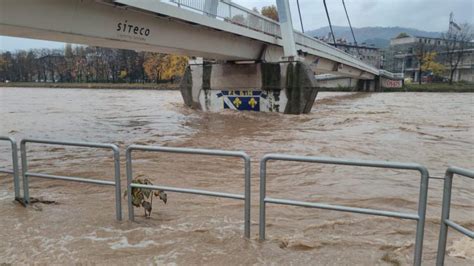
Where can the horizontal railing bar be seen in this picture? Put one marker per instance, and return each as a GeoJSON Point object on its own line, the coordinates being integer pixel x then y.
{"type": "Point", "coordinates": [71, 143]}
{"type": "Point", "coordinates": [70, 178]}
{"type": "Point", "coordinates": [460, 228]}
{"type": "Point", "coordinates": [189, 151]}
{"type": "Point", "coordinates": [461, 171]}
{"type": "Point", "coordinates": [6, 171]}
{"type": "Point", "coordinates": [190, 191]}
{"type": "Point", "coordinates": [350, 162]}
{"type": "Point", "coordinates": [437, 177]}
{"type": "Point", "coordinates": [343, 208]}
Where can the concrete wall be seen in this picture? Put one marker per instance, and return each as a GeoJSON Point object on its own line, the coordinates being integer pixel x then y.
{"type": "Point", "coordinates": [266, 87]}
{"type": "Point", "coordinates": [335, 83]}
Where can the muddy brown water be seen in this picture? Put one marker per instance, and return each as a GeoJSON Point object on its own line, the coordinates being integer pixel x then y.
{"type": "Point", "coordinates": [435, 130]}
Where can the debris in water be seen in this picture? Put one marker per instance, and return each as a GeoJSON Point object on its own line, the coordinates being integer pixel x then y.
{"type": "Point", "coordinates": [143, 197]}
{"type": "Point", "coordinates": [35, 201]}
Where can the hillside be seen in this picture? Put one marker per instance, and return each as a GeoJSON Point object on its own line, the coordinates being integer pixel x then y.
{"type": "Point", "coordinates": [379, 36]}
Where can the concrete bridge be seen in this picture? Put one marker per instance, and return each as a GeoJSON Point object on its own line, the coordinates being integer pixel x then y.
{"type": "Point", "coordinates": [252, 62]}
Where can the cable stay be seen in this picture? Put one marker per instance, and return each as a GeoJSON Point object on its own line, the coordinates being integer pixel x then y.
{"type": "Point", "coordinates": [299, 13]}
{"type": "Point", "coordinates": [330, 25]}
{"type": "Point", "coordinates": [350, 25]}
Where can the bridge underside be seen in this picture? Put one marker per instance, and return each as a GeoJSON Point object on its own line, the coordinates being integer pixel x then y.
{"type": "Point", "coordinates": [109, 25]}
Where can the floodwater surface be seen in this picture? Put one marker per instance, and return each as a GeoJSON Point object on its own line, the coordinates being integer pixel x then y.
{"type": "Point", "coordinates": [432, 129]}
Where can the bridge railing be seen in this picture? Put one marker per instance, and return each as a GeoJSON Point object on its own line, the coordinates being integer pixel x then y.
{"type": "Point", "coordinates": [215, 153]}
{"type": "Point", "coordinates": [14, 172]}
{"type": "Point", "coordinates": [232, 13]}
{"type": "Point", "coordinates": [445, 221]}
{"type": "Point", "coordinates": [391, 75]}
{"type": "Point", "coordinates": [419, 217]}
{"type": "Point", "coordinates": [26, 174]}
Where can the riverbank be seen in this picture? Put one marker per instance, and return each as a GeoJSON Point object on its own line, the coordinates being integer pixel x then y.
{"type": "Point", "coordinates": [436, 87]}
{"type": "Point", "coordinates": [433, 87]}
{"type": "Point", "coordinates": [122, 86]}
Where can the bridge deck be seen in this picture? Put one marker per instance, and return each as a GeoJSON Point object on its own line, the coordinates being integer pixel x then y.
{"type": "Point", "coordinates": [229, 32]}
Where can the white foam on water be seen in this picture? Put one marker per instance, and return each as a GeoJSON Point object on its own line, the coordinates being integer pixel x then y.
{"type": "Point", "coordinates": [5, 195]}
{"type": "Point", "coordinates": [163, 259]}
{"type": "Point", "coordinates": [123, 243]}
{"type": "Point", "coordinates": [462, 248]}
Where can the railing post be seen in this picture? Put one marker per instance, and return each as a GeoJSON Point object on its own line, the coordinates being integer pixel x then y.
{"type": "Point", "coordinates": [24, 170]}
{"type": "Point", "coordinates": [247, 197]}
{"type": "Point", "coordinates": [443, 232]}
{"type": "Point", "coordinates": [128, 155]}
{"type": "Point", "coordinates": [15, 169]}
{"type": "Point", "coordinates": [420, 226]}
{"type": "Point", "coordinates": [118, 188]}
{"type": "Point", "coordinates": [16, 177]}
{"type": "Point", "coordinates": [263, 177]}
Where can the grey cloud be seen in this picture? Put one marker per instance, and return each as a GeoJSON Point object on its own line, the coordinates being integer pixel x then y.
{"type": "Point", "coordinates": [429, 15]}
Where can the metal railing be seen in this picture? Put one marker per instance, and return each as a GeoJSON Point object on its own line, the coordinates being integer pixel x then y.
{"type": "Point", "coordinates": [445, 221]}
{"type": "Point", "coordinates": [14, 172]}
{"type": "Point", "coordinates": [242, 155]}
{"type": "Point", "coordinates": [231, 12]}
{"type": "Point", "coordinates": [116, 183]}
{"type": "Point", "coordinates": [391, 75]}
{"type": "Point", "coordinates": [419, 217]}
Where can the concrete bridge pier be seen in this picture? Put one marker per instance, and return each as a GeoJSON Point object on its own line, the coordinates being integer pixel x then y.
{"type": "Point", "coordinates": [368, 85]}
{"type": "Point", "coordinates": [285, 87]}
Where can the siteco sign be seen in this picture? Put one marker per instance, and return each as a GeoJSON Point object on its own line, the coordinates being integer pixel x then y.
{"type": "Point", "coordinates": [128, 30]}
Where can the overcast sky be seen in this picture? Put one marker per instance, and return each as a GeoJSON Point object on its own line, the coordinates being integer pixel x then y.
{"type": "Point", "coordinates": [428, 15]}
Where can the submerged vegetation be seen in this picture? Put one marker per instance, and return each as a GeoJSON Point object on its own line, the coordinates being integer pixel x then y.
{"type": "Point", "coordinates": [143, 197]}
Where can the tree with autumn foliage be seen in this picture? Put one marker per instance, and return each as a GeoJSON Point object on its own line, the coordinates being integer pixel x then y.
{"type": "Point", "coordinates": [89, 64]}
{"type": "Point", "coordinates": [164, 67]}
{"type": "Point", "coordinates": [431, 65]}
{"type": "Point", "coordinates": [270, 12]}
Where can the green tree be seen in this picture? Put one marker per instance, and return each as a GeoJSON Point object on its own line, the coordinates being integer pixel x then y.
{"type": "Point", "coordinates": [402, 35]}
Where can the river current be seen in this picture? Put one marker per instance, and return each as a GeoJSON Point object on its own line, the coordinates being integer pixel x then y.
{"type": "Point", "coordinates": [432, 129]}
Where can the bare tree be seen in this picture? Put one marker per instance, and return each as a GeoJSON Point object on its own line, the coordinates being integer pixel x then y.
{"type": "Point", "coordinates": [456, 42]}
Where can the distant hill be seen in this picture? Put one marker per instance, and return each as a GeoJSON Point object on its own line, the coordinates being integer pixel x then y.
{"type": "Point", "coordinates": [379, 36]}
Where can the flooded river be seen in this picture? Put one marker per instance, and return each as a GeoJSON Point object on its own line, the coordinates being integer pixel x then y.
{"type": "Point", "coordinates": [435, 130]}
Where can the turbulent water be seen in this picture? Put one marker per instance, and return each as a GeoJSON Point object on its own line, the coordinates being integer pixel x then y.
{"type": "Point", "coordinates": [435, 130]}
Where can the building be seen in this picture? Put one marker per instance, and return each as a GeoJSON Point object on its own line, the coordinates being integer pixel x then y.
{"type": "Point", "coordinates": [404, 51]}
{"type": "Point", "coordinates": [367, 53]}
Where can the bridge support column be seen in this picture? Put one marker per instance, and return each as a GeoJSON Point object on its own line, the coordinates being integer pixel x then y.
{"type": "Point", "coordinates": [369, 85]}
{"type": "Point", "coordinates": [286, 87]}
{"type": "Point", "coordinates": [286, 27]}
